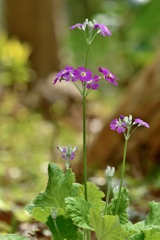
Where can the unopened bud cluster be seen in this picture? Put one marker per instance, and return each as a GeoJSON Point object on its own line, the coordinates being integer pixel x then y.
{"type": "Point", "coordinates": [110, 171]}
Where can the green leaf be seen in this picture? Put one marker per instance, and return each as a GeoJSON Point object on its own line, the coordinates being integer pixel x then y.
{"type": "Point", "coordinates": [78, 209]}
{"type": "Point", "coordinates": [12, 237]}
{"type": "Point", "coordinates": [148, 229]}
{"type": "Point", "coordinates": [63, 228]}
{"type": "Point", "coordinates": [137, 236]}
{"type": "Point", "coordinates": [41, 214]}
{"type": "Point", "coordinates": [124, 202]}
{"type": "Point", "coordinates": [94, 196]}
{"type": "Point", "coordinates": [152, 235]}
{"type": "Point", "coordinates": [153, 217]}
{"type": "Point", "coordinates": [107, 227]}
{"type": "Point", "coordinates": [59, 187]}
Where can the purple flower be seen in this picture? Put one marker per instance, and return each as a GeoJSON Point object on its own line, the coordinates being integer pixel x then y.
{"type": "Point", "coordinates": [67, 152]}
{"type": "Point", "coordinates": [83, 74]}
{"type": "Point", "coordinates": [93, 84]}
{"type": "Point", "coordinates": [140, 123]}
{"type": "Point", "coordinates": [107, 75]}
{"type": "Point", "coordinates": [102, 29]}
{"type": "Point", "coordinates": [92, 25]}
{"type": "Point", "coordinates": [66, 74]}
{"type": "Point", "coordinates": [118, 125]}
{"type": "Point", "coordinates": [125, 123]}
{"type": "Point", "coordinates": [77, 25]}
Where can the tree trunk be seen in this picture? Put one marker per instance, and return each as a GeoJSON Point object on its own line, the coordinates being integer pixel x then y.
{"type": "Point", "coordinates": [33, 21]}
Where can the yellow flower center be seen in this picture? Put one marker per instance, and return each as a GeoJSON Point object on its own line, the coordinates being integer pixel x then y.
{"type": "Point", "coordinates": [83, 74]}
{"type": "Point", "coordinates": [109, 75]}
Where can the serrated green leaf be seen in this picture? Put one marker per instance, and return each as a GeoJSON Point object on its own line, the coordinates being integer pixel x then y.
{"type": "Point", "coordinates": [152, 235]}
{"type": "Point", "coordinates": [148, 229]}
{"type": "Point", "coordinates": [94, 196]}
{"type": "Point", "coordinates": [124, 202]}
{"type": "Point", "coordinates": [153, 217]}
{"type": "Point", "coordinates": [41, 214]}
{"type": "Point", "coordinates": [64, 228]}
{"type": "Point", "coordinates": [12, 237]}
{"type": "Point", "coordinates": [138, 226]}
{"type": "Point", "coordinates": [137, 236]}
{"type": "Point", "coordinates": [107, 227]}
{"type": "Point", "coordinates": [60, 185]}
{"type": "Point", "coordinates": [78, 209]}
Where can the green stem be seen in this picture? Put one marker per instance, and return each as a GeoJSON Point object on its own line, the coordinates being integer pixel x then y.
{"type": "Point", "coordinates": [84, 131]}
{"type": "Point", "coordinates": [57, 230]}
{"type": "Point", "coordinates": [86, 59]}
{"type": "Point", "coordinates": [86, 232]}
{"type": "Point", "coordinates": [122, 174]}
{"type": "Point", "coordinates": [88, 235]}
{"type": "Point", "coordinates": [108, 194]}
{"type": "Point", "coordinates": [84, 148]}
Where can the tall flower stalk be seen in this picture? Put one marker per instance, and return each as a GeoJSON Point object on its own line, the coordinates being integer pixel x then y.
{"type": "Point", "coordinates": [84, 149]}
{"type": "Point", "coordinates": [122, 174]}
{"type": "Point", "coordinates": [87, 232]}
{"type": "Point", "coordinates": [84, 81]}
{"type": "Point", "coordinates": [125, 125]}
{"type": "Point", "coordinates": [85, 131]}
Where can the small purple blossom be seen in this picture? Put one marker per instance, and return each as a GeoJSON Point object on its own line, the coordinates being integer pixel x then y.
{"type": "Point", "coordinates": [82, 26]}
{"type": "Point", "coordinates": [107, 75]}
{"type": "Point", "coordinates": [125, 123]}
{"type": "Point", "coordinates": [77, 25]}
{"type": "Point", "coordinates": [83, 74]}
{"type": "Point", "coordinates": [102, 29]}
{"type": "Point", "coordinates": [140, 123]}
{"type": "Point", "coordinates": [118, 125]}
{"type": "Point", "coordinates": [66, 74]}
{"type": "Point", "coordinates": [93, 25]}
{"type": "Point", "coordinates": [121, 116]}
{"type": "Point", "coordinates": [93, 84]}
{"type": "Point", "coordinates": [67, 152]}
{"type": "Point", "coordinates": [91, 29]}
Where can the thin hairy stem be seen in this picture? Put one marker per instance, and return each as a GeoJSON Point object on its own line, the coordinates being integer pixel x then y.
{"type": "Point", "coordinates": [122, 174]}
{"type": "Point", "coordinates": [57, 230]}
{"type": "Point", "coordinates": [84, 131]}
{"type": "Point", "coordinates": [86, 59]}
{"type": "Point", "coordinates": [87, 232]}
{"type": "Point", "coordinates": [84, 148]}
{"type": "Point", "coordinates": [108, 195]}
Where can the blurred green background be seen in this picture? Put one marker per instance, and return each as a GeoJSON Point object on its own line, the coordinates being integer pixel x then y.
{"type": "Point", "coordinates": [35, 116]}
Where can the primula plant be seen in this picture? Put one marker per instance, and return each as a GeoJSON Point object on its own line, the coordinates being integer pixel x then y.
{"type": "Point", "coordinates": [73, 211]}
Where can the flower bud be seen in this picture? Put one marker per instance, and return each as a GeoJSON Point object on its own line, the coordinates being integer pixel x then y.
{"type": "Point", "coordinates": [54, 213]}
{"type": "Point", "coordinates": [110, 171]}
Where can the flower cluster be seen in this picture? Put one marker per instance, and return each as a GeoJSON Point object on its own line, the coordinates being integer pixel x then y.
{"type": "Point", "coordinates": [110, 171]}
{"type": "Point", "coordinates": [91, 29]}
{"type": "Point", "coordinates": [125, 123]}
{"type": "Point", "coordinates": [82, 75]}
{"type": "Point", "coordinates": [85, 76]}
{"type": "Point", "coordinates": [67, 152]}
{"type": "Point", "coordinates": [54, 213]}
